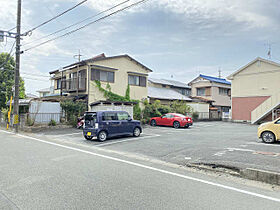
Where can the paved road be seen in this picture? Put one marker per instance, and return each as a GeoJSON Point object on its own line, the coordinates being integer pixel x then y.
{"type": "Point", "coordinates": [230, 144]}
{"type": "Point", "coordinates": [39, 174]}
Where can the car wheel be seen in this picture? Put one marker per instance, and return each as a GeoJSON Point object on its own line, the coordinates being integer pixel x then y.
{"type": "Point", "coordinates": [136, 132]}
{"type": "Point", "coordinates": [102, 136]}
{"type": "Point", "coordinates": [153, 123]}
{"type": "Point", "coordinates": [268, 137]}
{"type": "Point", "coordinates": [88, 137]}
{"type": "Point", "coordinates": [176, 124]}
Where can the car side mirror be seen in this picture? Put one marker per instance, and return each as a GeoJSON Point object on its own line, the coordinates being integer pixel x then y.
{"type": "Point", "coordinates": [129, 118]}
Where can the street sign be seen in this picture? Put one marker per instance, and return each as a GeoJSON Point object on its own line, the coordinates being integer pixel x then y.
{"type": "Point", "coordinates": [1, 36]}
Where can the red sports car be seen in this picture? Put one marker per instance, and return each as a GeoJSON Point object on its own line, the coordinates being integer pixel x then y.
{"type": "Point", "coordinates": [172, 119]}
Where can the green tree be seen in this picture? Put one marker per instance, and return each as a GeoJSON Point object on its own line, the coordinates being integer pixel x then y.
{"type": "Point", "coordinates": [7, 65]}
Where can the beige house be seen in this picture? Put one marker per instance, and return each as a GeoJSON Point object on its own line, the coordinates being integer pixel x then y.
{"type": "Point", "coordinates": [214, 89]}
{"type": "Point", "coordinates": [116, 72]}
{"type": "Point", "coordinates": [256, 91]}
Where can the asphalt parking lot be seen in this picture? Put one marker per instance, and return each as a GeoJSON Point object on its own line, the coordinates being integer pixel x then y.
{"type": "Point", "coordinates": [219, 143]}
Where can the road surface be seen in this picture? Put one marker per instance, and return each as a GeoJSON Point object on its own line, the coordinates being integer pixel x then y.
{"type": "Point", "coordinates": [40, 174]}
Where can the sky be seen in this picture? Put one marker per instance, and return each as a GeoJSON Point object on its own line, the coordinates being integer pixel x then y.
{"type": "Point", "coordinates": [177, 39]}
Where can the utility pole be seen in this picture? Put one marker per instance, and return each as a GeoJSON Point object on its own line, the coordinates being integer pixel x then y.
{"type": "Point", "coordinates": [78, 71]}
{"type": "Point", "coordinates": [78, 56]}
{"type": "Point", "coordinates": [220, 73]}
{"type": "Point", "coordinates": [16, 98]}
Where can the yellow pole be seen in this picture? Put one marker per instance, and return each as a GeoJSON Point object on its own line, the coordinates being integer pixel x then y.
{"type": "Point", "coordinates": [9, 113]}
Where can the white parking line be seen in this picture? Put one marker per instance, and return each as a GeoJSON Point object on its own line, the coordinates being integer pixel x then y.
{"type": "Point", "coordinates": [69, 134]}
{"type": "Point", "coordinates": [156, 169]}
{"type": "Point", "coordinates": [125, 140]}
{"type": "Point", "coordinates": [263, 144]}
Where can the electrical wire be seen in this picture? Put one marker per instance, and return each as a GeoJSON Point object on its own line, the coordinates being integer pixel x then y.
{"type": "Point", "coordinates": [84, 26]}
{"type": "Point", "coordinates": [77, 23]}
{"type": "Point", "coordinates": [29, 31]}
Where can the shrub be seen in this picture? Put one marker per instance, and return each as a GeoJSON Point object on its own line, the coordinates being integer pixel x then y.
{"type": "Point", "coordinates": [52, 123]}
{"type": "Point", "coordinates": [30, 122]}
{"type": "Point", "coordinates": [136, 112]}
{"type": "Point", "coordinates": [5, 113]}
{"type": "Point", "coordinates": [195, 115]}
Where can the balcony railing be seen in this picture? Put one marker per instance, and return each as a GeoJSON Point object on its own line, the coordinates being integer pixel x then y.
{"type": "Point", "coordinates": [74, 84]}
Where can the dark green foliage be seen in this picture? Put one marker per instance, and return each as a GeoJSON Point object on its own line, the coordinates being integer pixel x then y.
{"type": "Point", "coordinates": [181, 107]}
{"type": "Point", "coordinates": [52, 123]}
{"type": "Point", "coordinates": [73, 109]}
{"type": "Point", "coordinates": [7, 80]}
{"type": "Point", "coordinates": [127, 93]}
{"type": "Point", "coordinates": [136, 112]}
{"type": "Point", "coordinates": [195, 115]}
{"type": "Point", "coordinates": [109, 94]}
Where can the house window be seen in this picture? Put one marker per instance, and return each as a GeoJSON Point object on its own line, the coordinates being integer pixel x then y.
{"type": "Point", "coordinates": [223, 91]}
{"type": "Point", "coordinates": [200, 91]}
{"type": "Point", "coordinates": [100, 75]}
{"type": "Point", "coordinates": [185, 92]}
{"type": "Point", "coordinates": [58, 83]}
{"type": "Point", "coordinates": [137, 80]}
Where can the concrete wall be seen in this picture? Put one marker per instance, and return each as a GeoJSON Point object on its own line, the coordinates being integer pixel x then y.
{"type": "Point", "coordinates": [243, 106]}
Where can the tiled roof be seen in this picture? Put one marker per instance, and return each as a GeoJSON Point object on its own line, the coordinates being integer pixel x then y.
{"type": "Point", "coordinates": [169, 82]}
{"type": "Point", "coordinates": [166, 93]}
{"type": "Point", "coordinates": [103, 57]}
{"type": "Point", "coordinates": [215, 79]}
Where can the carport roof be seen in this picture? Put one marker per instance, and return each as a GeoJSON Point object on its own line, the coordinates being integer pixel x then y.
{"type": "Point", "coordinates": [166, 93]}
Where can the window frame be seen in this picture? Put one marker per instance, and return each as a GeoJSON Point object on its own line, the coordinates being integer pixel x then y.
{"type": "Point", "coordinates": [223, 91]}
{"type": "Point", "coordinates": [197, 90]}
{"type": "Point", "coordinates": [142, 80]}
{"type": "Point", "coordinates": [96, 75]}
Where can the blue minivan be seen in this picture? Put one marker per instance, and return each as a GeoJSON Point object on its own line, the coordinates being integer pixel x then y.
{"type": "Point", "coordinates": [105, 124]}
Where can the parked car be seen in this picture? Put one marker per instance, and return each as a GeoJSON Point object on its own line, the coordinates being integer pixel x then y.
{"type": "Point", "coordinates": [105, 124]}
{"type": "Point", "coordinates": [270, 132]}
{"type": "Point", "coordinates": [172, 119]}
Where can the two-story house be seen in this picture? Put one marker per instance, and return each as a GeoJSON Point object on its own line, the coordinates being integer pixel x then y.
{"type": "Point", "coordinates": [256, 91]}
{"type": "Point", "coordinates": [168, 90]}
{"type": "Point", "coordinates": [79, 79]}
{"type": "Point", "coordinates": [215, 89]}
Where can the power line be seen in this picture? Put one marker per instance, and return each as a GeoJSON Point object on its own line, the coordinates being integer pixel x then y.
{"type": "Point", "coordinates": [77, 23]}
{"type": "Point", "coordinates": [84, 26]}
{"type": "Point", "coordinates": [29, 31]}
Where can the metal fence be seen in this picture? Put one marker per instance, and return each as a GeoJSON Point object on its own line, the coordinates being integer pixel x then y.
{"type": "Point", "coordinates": [44, 117]}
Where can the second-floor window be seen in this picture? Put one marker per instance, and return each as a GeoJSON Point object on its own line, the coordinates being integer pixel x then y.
{"type": "Point", "coordinates": [137, 80]}
{"type": "Point", "coordinates": [200, 92]}
{"type": "Point", "coordinates": [224, 91]}
{"type": "Point", "coordinates": [58, 83]}
{"type": "Point", "coordinates": [100, 75]}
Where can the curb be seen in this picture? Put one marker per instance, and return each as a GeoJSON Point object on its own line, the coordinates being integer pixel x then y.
{"type": "Point", "coordinates": [268, 177]}
{"type": "Point", "coordinates": [261, 175]}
